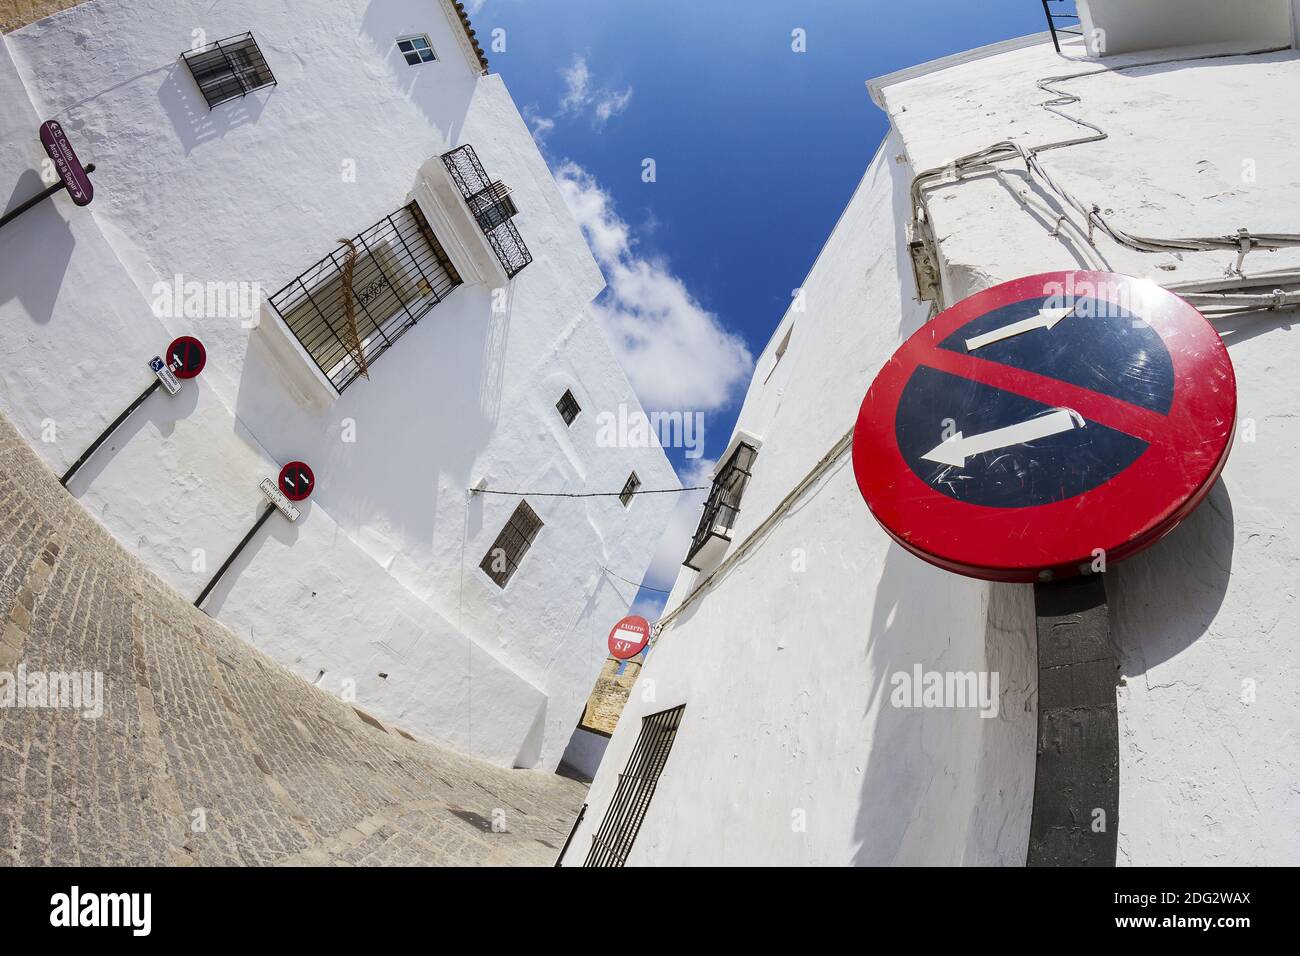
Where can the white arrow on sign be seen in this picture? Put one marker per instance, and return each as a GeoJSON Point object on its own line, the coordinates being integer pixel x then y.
{"type": "Point", "coordinates": [955, 450]}
{"type": "Point", "coordinates": [1045, 319]}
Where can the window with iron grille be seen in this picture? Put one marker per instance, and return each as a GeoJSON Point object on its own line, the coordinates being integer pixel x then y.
{"type": "Point", "coordinates": [398, 272]}
{"type": "Point", "coordinates": [416, 49]}
{"type": "Point", "coordinates": [723, 503]}
{"type": "Point", "coordinates": [636, 785]}
{"type": "Point", "coordinates": [502, 559]}
{"type": "Point", "coordinates": [228, 69]}
{"type": "Point", "coordinates": [568, 407]}
{"type": "Point", "coordinates": [629, 489]}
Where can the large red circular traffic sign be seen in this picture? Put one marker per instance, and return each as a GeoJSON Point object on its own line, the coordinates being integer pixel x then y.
{"type": "Point", "coordinates": [629, 637]}
{"type": "Point", "coordinates": [296, 480]}
{"type": "Point", "coordinates": [186, 356]}
{"type": "Point", "coordinates": [1045, 423]}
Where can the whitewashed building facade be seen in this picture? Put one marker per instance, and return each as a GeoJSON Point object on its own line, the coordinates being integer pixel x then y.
{"type": "Point", "coordinates": [762, 729]}
{"type": "Point", "coordinates": [240, 151]}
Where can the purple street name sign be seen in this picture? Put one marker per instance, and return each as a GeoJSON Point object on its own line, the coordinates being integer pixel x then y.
{"type": "Point", "coordinates": [65, 161]}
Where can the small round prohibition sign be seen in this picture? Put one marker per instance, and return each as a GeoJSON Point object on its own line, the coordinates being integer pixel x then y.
{"type": "Point", "coordinates": [296, 480]}
{"type": "Point", "coordinates": [1046, 423]}
{"type": "Point", "coordinates": [187, 356]}
{"type": "Point", "coordinates": [629, 637]}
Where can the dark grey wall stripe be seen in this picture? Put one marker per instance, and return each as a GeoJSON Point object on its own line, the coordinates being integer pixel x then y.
{"type": "Point", "coordinates": [1077, 769]}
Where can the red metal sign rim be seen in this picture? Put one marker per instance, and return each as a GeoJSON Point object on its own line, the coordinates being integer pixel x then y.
{"type": "Point", "coordinates": [296, 495]}
{"type": "Point", "coordinates": [633, 622]}
{"type": "Point", "coordinates": [1186, 453]}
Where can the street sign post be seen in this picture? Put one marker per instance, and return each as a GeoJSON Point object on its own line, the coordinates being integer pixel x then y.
{"type": "Point", "coordinates": [73, 177]}
{"type": "Point", "coordinates": [295, 483]}
{"type": "Point", "coordinates": [1046, 426]}
{"type": "Point", "coordinates": [629, 637]}
{"type": "Point", "coordinates": [165, 375]}
{"type": "Point", "coordinates": [1038, 431]}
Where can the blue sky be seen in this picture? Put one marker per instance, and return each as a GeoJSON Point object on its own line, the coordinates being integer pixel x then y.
{"type": "Point", "coordinates": [756, 150]}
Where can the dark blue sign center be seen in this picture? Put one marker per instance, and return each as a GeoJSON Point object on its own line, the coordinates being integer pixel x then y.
{"type": "Point", "coordinates": [1101, 347]}
{"type": "Point", "coordinates": [1014, 452]}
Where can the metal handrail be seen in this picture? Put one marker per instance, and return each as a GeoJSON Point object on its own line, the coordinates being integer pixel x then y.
{"type": "Point", "coordinates": [1053, 17]}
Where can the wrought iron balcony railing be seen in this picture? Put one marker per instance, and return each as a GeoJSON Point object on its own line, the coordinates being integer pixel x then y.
{"type": "Point", "coordinates": [492, 207]}
{"type": "Point", "coordinates": [721, 508]}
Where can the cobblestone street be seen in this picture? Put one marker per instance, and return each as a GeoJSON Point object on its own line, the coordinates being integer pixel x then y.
{"type": "Point", "coordinates": [207, 752]}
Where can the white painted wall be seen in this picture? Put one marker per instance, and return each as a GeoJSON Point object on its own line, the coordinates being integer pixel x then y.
{"type": "Point", "coordinates": [385, 577]}
{"type": "Point", "coordinates": [1159, 24]}
{"type": "Point", "coordinates": [785, 674]}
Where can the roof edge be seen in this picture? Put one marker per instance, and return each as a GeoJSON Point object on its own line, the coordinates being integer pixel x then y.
{"type": "Point", "coordinates": [470, 43]}
{"type": "Point", "coordinates": [877, 85]}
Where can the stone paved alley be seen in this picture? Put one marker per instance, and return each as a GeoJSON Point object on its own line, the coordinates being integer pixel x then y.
{"type": "Point", "coordinates": [207, 752]}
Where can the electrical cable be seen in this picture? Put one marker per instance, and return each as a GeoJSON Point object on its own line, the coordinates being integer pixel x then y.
{"type": "Point", "coordinates": [633, 583]}
{"type": "Point", "coordinates": [1243, 242]}
{"type": "Point", "coordinates": [845, 442]}
{"type": "Point", "coordinates": [587, 494]}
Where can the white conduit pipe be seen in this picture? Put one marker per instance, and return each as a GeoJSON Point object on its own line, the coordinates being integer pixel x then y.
{"type": "Point", "coordinates": [838, 449]}
{"type": "Point", "coordinates": [1242, 242]}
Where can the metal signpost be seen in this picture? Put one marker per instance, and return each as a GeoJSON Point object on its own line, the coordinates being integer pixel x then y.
{"type": "Point", "coordinates": [1036, 432]}
{"type": "Point", "coordinates": [73, 176]}
{"type": "Point", "coordinates": [295, 483]}
{"type": "Point", "coordinates": [187, 358]}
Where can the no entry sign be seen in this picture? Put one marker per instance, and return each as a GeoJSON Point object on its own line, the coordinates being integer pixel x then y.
{"type": "Point", "coordinates": [296, 480]}
{"type": "Point", "coordinates": [187, 356]}
{"type": "Point", "coordinates": [629, 637]}
{"type": "Point", "coordinates": [1045, 423]}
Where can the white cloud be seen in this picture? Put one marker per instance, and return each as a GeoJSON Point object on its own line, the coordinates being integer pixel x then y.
{"type": "Point", "coordinates": [580, 94]}
{"type": "Point", "coordinates": [676, 353]}
{"type": "Point", "coordinates": [539, 125]}
{"type": "Point", "coordinates": [609, 104]}
{"type": "Point", "coordinates": [577, 82]}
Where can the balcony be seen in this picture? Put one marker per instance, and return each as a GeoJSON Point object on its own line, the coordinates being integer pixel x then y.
{"type": "Point", "coordinates": [490, 204]}
{"type": "Point", "coordinates": [713, 534]}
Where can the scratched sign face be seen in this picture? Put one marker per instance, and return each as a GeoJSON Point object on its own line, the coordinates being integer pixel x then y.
{"type": "Point", "coordinates": [1044, 424]}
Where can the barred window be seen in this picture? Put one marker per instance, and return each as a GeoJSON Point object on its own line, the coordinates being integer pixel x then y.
{"type": "Point", "coordinates": [416, 49]}
{"type": "Point", "coordinates": [636, 786]}
{"type": "Point", "coordinates": [229, 68]}
{"type": "Point", "coordinates": [629, 489]}
{"type": "Point", "coordinates": [511, 545]}
{"type": "Point", "coordinates": [399, 271]}
{"type": "Point", "coordinates": [568, 407]}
